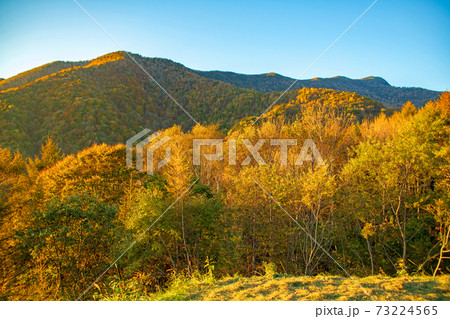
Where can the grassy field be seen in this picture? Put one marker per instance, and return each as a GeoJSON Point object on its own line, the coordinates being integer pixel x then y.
{"type": "Point", "coordinates": [302, 288]}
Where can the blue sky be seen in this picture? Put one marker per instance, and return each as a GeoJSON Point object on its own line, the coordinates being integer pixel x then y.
{"type": "Point", "coordinates": [407, 42]}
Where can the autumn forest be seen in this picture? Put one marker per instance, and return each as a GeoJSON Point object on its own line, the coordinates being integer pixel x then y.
{"type": "Point", "coordinates": [70, 207]}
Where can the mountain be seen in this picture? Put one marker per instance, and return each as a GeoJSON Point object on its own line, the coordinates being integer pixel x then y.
{"type": "Point", "coordinates": [110, 98]}
{"type": "Point", "coordinates": [374, 87]}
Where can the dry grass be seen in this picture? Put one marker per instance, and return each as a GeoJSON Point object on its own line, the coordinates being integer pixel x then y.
{"type": "Point", "coordinates": [308, 288]}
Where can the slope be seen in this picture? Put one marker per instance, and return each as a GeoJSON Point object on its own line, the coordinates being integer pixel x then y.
{"type": "Point", "coordinates": [36, 73]}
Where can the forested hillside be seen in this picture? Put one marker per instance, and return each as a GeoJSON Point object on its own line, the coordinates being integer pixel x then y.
{"type": "Point", "coordinates": [373, 87]}
{"type": "Point", "coordinates": [109, 99]}
{"type": "Point", "coordinates": [356, 106]}
{"type": "Point", "coordinates": [378, 207]}
{"type": "Point", "coordinates": [36, 73]}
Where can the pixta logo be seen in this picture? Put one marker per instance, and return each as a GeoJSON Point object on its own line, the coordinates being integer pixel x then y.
{"type": "Point", "coordinates": [308, 153]}
{"type": "Point", "coordinates": [150, 150]}
{"type": "Point", "coordinates": [150, 143]}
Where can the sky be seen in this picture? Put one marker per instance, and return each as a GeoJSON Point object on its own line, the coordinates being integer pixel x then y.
{"type": "Point", "coordinates": [407, 42]}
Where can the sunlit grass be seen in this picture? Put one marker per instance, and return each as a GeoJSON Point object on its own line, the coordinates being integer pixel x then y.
{"type": "Point", "coordinates": [306, 288]}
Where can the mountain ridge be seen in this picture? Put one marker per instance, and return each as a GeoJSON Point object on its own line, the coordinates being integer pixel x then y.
{"type": "Point", "coordinates": [374, 87]}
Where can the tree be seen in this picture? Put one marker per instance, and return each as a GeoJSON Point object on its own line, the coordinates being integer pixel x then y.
{"type": "Point", "coordinates": [179, 175]}
{"type": "Point", "coordinates": [50, 154]}
{"type": "Point", "coordinates": [68, 245]}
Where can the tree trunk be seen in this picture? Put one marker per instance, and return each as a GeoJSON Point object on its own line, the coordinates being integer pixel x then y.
{"type": "Point", "coordinates": [369, 248]}
{"type": "Point", "coordinates": [184, 239]}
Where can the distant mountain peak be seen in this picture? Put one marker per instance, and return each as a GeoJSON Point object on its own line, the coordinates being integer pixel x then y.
{"type": "Point", "coordinates": [110, 57]}
{"type": "Point", "coordinates": [340, 77]}
{"type": "Point", "coordinates": [377, 79]}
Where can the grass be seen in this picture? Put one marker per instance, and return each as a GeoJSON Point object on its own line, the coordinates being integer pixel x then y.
{"type": "Point", "coordinates": [279, 287]}
{"type": "Point", "coordinates": [305, 288]}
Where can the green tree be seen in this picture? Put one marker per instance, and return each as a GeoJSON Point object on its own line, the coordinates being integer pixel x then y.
{"type": "Point", "coordinates": [67, 245]}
